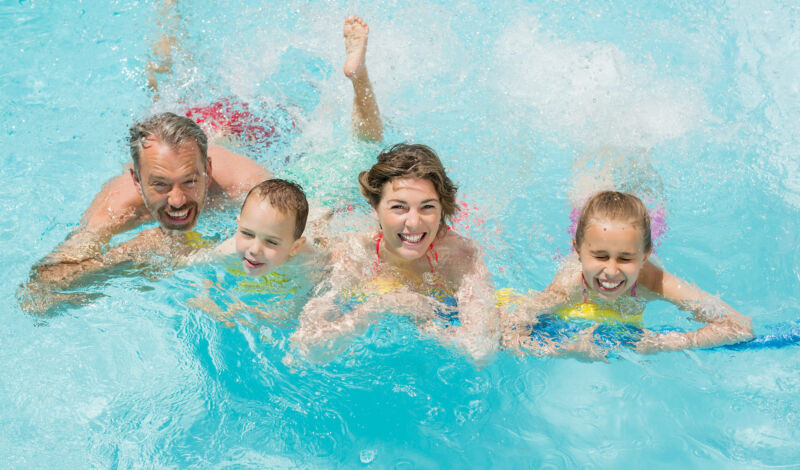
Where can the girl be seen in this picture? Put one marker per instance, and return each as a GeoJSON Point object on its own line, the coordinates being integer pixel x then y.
{"type": "Point", "coordinates": [412, 264]}
{"type": "Point", "coordinates": [610, 278]}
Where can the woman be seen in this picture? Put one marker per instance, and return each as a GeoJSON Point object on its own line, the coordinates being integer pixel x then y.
{"type": "Point", "coordinates": [414, 264]}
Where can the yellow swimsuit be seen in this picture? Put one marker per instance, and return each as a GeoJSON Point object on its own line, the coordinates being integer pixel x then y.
{"type": "Point", "coordinates": [620, 310]}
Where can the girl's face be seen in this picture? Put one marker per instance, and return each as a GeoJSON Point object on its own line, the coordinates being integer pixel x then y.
{"type": "Point", "coordinates": [410, 215]}
{"type": "Point", "coordinates": [612, 254]}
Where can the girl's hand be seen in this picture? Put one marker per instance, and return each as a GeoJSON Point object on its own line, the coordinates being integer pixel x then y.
{"type": "Point", "coordinates": [656, 342]}
{"type": "Point", "coordinates": [585, 348]}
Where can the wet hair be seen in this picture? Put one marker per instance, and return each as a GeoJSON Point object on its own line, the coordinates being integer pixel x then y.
{"type": "Point", "coordinates": [409, 161]}
{"type": "Point", "coordinates": [613, 205]}
{"type": "Point", "coordinates": [169, 129]}
{"type": "Point", "coordinates": [285, 196]}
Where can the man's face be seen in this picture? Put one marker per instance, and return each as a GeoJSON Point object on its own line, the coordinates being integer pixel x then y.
{"type": "Point", "coordinates": [173, 183]}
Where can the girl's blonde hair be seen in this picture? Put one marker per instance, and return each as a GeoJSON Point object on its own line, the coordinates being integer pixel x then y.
{"type": "Point", "coordinates": [614, 205]}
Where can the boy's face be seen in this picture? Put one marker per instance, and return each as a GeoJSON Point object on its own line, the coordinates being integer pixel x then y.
{"type": "Point", "coordinates": [265, 237]}
{"type": "Point", "coordinates": [612, 254]}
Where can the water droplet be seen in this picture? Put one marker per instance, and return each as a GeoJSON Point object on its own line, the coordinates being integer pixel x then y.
{"type": "Point", "coordinates": [368, 455]}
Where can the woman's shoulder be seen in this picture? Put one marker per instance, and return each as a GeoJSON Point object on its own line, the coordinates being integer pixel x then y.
{"type": "Point", "coordinates": [452, 243]}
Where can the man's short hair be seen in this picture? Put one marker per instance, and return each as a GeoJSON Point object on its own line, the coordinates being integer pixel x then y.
{"type": "Point", "coordinates": [285, 196]}
{"type": "Point", "coordinates": [169, 129]}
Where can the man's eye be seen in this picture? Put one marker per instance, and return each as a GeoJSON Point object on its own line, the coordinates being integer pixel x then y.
{"type": "Point", "coordinates": [191, 182]}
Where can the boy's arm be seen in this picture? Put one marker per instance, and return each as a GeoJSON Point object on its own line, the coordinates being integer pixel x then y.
{"type": "Point", "coordinates": [723, 324]}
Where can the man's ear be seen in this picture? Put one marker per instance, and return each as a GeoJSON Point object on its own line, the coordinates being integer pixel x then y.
{"type": "Point", "coordinates": [296, 245]}
{"type": "Point", "coordinates": [135, 179]}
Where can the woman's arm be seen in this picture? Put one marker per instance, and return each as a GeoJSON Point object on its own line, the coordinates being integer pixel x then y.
{"type": "Point", "coordinates": [723, 324]}
{"type": "Point", "coordinates": [479, 332]}
{"type": "Point", "coordinates": [323, 330]}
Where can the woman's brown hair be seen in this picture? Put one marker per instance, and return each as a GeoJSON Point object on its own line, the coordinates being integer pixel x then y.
{"type": "Point", "coordinates": [409, 161]}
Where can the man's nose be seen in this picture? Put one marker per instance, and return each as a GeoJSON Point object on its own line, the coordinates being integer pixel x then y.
{"type": "Point", "coordinates": [176, 197]}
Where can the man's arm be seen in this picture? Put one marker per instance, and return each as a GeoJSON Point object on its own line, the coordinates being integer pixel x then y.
{"type": "Point", "coordinates": [116, 208]}
{"type": "Point", "coordinates": [47, 284]}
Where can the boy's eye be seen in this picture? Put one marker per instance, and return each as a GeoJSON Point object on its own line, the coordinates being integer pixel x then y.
{"type": "Point", "coordinates": [601, 257]}
{"type": "Point", "coordinates": [246, 234]}
{"type": "Point", "coordinates": [272, 242]}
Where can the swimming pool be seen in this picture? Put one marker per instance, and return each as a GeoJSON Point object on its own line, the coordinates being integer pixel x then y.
{"type": "Point", "coordinates": [141, 377]}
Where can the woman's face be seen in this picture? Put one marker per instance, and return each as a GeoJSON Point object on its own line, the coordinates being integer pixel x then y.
{"type": "Point", "coordinates": [409, 214]}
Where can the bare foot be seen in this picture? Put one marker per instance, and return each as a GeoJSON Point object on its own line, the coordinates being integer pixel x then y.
{"type": "Point", "coordinates": [356, 31]}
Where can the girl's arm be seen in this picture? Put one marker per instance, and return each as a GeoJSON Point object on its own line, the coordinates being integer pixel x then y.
{"type": "Point", "coordinates": [723, 324]}
{"type": "Point", "coordinates": [528, 308]}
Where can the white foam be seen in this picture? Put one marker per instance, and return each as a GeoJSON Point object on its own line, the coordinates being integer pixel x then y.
{"type": "Point", "coordinates": [592, 92]}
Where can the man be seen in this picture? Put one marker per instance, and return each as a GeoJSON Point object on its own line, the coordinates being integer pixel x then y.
{"type": "Point", "coordinates": [175, 176]}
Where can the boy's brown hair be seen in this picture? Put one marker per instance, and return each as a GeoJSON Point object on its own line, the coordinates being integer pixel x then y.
{"type": "Point", "coordinates": [285, 196]}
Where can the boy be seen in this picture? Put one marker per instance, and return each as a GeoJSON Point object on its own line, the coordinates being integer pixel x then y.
{"type": "Point", "coordinates": [270, 227]}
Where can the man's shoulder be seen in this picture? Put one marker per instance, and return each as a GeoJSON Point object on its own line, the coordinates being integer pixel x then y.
{"type": "Point", "coordinates": [232, 173]}
{"type": "Point", "coordinates": [118, 204]}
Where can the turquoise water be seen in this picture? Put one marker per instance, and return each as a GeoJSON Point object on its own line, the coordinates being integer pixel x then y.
{"type": "Point", "coordinates": [509, 95]}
